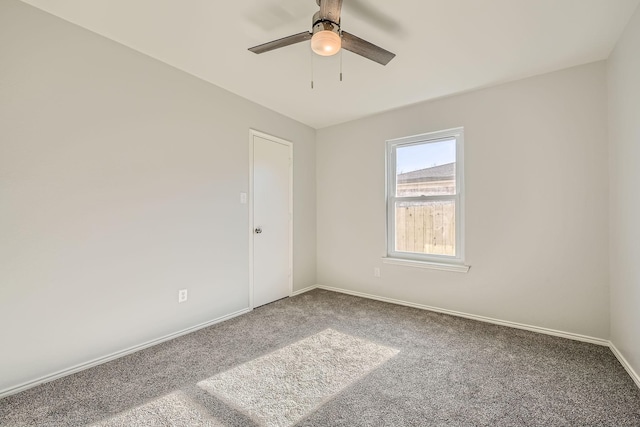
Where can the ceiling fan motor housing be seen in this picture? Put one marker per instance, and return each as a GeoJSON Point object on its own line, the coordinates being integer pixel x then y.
{"type": "Point", "coordinates": [327, 37]}
{"type": "Point", "coordinates": [324, 25]}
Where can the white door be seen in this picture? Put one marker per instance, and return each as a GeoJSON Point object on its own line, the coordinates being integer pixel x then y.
{"type": "Point", "coordinates": [271, 202]}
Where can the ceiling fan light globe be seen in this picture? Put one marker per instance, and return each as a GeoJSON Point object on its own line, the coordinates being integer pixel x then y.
{"type": "Point", "coordinates": [326, 43]}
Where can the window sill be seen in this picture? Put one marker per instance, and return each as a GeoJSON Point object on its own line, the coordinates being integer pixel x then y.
{"type": "Point", "coordinates": [461, 268]}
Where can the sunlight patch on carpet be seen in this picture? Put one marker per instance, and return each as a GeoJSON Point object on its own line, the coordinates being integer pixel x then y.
{"type": "Point", "coordinates": [282, 387]}
{"type": "Point", "coordinates": [175, 409]}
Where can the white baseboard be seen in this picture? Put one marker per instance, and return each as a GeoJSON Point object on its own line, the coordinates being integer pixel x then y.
{"type": "Point", "coordinates": [541, 330]}
{"type": "Point", "coordinates": [569, 335]}
{"type": "Point", "coordinates": [302, 291]}
{"type": "Point", "coordinates": [634, 375]}
{"type": "Point", "coordinates": [99, 361]}
{"type": "Point", "coordinates": [77, 368]}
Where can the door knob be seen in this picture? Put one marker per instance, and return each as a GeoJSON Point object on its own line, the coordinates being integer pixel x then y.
{"type": "Point", "coordinates": [258, 230]}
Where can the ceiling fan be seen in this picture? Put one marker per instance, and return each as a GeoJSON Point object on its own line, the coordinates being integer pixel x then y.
{"type": "Point", "coordinates": [327, 38]}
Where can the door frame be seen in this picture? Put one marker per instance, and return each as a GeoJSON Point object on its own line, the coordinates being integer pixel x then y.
{"type": "Point", "coordinates": [289, 144]}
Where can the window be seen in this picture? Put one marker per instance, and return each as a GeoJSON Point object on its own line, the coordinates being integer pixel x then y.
{"type": "Point", "coordinates": [425, 200]}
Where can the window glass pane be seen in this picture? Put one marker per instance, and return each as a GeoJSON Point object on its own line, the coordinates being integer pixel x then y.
{"type": "Point", "coordinates": [427, 169]}
{"type": "Point", "coordinates": [426, 227]}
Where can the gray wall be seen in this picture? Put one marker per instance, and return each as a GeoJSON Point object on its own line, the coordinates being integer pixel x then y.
{"type": "Point", "coordinates": [536, 203]}
{"type": "Point", "coordinates": [624, 133]}
{"type": "Point", "coordinates": [120, 179]}
{"type": "Point", "coordinates": [119, 184]}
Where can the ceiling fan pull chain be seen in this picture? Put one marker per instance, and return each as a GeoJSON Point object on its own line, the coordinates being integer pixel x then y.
{"type": "Point", "coordinates": [311, 68]}
{"type": "Point", "coordinates": [341, 64]}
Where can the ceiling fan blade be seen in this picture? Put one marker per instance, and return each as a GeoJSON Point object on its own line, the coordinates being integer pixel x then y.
{"type": "Point", "coordinates": [286, 41]}
{"type": "Point", "coordinates": [330, 10]}
{"type": "Point", "coordinates": [364, 48]}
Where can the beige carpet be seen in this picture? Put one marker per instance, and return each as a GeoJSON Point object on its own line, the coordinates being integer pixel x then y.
{"type": "Point", "coordinates": [448, 371]}
{"type": "Point", "coordinates": [175, 410]}
{"type": "Point", "coordinates": [281, 388]}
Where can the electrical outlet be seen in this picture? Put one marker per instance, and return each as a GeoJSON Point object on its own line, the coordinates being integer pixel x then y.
{"type": "Point", "coordinates": [182, 295]}
{"type": "Point", "coordinates": [376, 272]}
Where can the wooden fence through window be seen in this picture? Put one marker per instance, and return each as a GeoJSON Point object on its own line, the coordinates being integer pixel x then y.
{"type": "Point", "coordinates": [427, 228]}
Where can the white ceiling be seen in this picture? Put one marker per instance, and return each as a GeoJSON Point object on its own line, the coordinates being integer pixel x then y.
{"type": "Point", "coordinates": [443, 46]}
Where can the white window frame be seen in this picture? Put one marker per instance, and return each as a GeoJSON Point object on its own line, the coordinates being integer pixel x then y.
{"type": "Point", "coordinates": [441, 262]}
